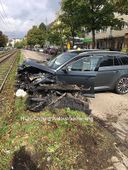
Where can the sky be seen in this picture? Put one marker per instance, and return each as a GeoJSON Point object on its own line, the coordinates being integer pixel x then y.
{"type": "Point", "coordinates": [18, 16]}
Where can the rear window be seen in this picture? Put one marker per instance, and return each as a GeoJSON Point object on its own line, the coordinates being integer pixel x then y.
{"type": "Point", "coordinates": [107, 61]}
{"type": "Point", "coordinates": [124, 60]}
{"type": "Point", "coordinates": [117, 61]}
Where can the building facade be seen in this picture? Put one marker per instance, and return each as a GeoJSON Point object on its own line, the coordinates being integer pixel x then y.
{"type": "Point", "coordinates": [112, 39]}
{"type": "Point", "coordinates": [13, 41]}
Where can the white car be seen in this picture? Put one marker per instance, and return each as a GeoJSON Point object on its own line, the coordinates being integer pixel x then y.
{"type": "Point", "coordinates": [41, 50]}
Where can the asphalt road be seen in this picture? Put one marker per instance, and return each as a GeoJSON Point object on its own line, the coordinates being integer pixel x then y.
{"type": "Point", "coordinates": [110, 108]}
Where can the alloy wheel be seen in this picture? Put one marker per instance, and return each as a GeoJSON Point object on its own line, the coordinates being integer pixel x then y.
{"type": "Point", "coordinates": [122, 85]}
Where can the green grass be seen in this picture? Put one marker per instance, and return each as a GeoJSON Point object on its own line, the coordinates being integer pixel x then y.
{"type": "Point", "coordinates": [21, 58]}
{"type": "Point", "coordinates": [42, 136]}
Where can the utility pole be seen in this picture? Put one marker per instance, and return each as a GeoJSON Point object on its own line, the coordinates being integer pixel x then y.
{"type": "Point", "coordinates": [46, 23]}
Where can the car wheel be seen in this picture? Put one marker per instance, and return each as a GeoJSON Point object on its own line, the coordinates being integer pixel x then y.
{"type": "Point", "coordinates": [122, 85]}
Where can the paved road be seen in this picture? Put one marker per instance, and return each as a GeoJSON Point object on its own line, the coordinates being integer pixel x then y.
{"type": "Point", "coordinates": [113, 110]}
{"type": "Point", "coordinates": [34, 55]}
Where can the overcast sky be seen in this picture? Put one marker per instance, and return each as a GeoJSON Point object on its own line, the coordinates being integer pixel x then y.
{"type": "Point", "coordinates": [18, 16]}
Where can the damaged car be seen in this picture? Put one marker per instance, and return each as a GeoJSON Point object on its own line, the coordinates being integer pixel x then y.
{"type": "Point", "coordinates": [71, 76]}
{"type": "Point", "coordinates": [60, 70]}
{"type": "Point", "coordinates": [50, 85]}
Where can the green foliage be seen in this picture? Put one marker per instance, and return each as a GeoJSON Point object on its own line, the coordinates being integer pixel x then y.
{"type": "Point", "coordinates": [91, 14]}
{"type": "Point", "coordinates": [71, 17]}
{"type": "Point", "coordinates": [121, 6]}
{"type": "Point", "coordinates": [98, 14]}
{"type": "Point", "coordinates": [43, 27]}
{"type": "Point", "coordinates": [37, 35]}
{"type": "Point", "coordinates": [20, 44]}
{"type": "Point", "coordinates": [3, 39]}
{"type": "Point", "coordinates": [54, 38]}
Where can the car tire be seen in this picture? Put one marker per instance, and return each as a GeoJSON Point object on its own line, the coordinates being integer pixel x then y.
{"type": "Point", "coordinates": [122, 85]}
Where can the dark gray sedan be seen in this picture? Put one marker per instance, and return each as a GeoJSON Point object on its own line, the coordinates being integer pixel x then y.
{"type": "Point", "coordinates": [110, 69]}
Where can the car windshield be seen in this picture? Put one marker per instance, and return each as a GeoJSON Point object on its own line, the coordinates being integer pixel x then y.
{"type": "Point", "coordinates": [60, 60]}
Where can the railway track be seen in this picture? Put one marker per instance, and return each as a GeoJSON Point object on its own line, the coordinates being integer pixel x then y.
{"type": "Point", "coordinates": [5, 53]}
{"type": "Point", "coordinates": [6, 64]}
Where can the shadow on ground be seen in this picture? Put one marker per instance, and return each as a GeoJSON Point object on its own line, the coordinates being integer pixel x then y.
{"type": "Point", "coordinates": [22, 161]}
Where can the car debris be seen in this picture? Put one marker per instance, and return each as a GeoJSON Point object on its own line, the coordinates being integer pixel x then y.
{"type": "Point", "coordinates": [58, 100]}
{"type": "Point", "coordinates": [48, 94]}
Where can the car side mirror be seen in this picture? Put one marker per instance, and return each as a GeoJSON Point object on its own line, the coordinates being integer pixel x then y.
{"type": "Point", "coordinates": [65, 70]}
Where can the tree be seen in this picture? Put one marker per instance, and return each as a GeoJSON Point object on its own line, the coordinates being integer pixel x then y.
{"type": "Point", "coordinates": [43, 27]}
{"type": "Point", "coordinates": [54, 38]}
{"type": "Point", "coordinates": [18, 45]}
{"type": "Point", "coordinates": [98, 14]}
{"type": "Point", "coordinates": [121, 6]}
{"type": "Point", "coordinates": [21, 44]}
{"type": "Point", "coordinates": [70, 16]}
{"type": "Point", "coordinates": [57, 34]}
{"type": "Point", "coordinates": [3, 39]}
{"type": "Point", "coordinates": [92, 14]}
{"type": "Point", "coordinates": [35, 36]}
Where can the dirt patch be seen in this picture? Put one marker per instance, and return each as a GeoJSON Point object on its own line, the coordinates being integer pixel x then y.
{"type": "Point", "coordinates": [111, 111]}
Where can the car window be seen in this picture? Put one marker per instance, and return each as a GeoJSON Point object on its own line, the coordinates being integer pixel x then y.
{"type": "Point", "coordinates": [85, 64]}
{"type": "Point", "coordinates": [117, 61]}
{"type": "Point", "coordinates": [107, 61]}
{"type": "Point", "coordinates": [77, 66]}
{"type": "Point", "coordinates": [60, 60]}
{"type": "Point", "coordinates": [124, 60]}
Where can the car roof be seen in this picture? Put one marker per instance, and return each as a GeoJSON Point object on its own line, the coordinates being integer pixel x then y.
{"type": "Point", "coordinates": [103, 52]}
{"type": "Point", "coordinates": [78, 51]}
{"type": "Point", "coordinates": [99, 52]}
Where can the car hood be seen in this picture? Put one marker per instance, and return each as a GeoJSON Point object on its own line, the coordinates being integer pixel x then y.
{"type": "Point", "coordinates": [38, 65]}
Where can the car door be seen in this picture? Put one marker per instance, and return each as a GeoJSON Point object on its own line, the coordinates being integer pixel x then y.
{"type": "Point", "coordinates": [106, 73]}
{"type": "Point", "coordinates": [81, 72]}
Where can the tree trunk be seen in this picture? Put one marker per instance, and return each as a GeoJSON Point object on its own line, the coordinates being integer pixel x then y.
{"type": "Point", "coordinates": [73, 42]}
{"type": "Point", "coordinates": [93, 39]}
{"type": "Point", "coordinates": [73, 35]}
{"type": "Point", "coordinates": [62, 45]}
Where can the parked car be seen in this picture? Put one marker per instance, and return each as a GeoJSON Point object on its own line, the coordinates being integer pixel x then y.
{"type": "Point", "coordinates": [53, 51]}
{"type": "Point", "coordinates": [93, 69]}
{"type": "Point", "coordinates": [46, 50]}
{"type": "Point", "coordinates": [41, 50]}
{"type": "Point", "coordinates": [1, 48]}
